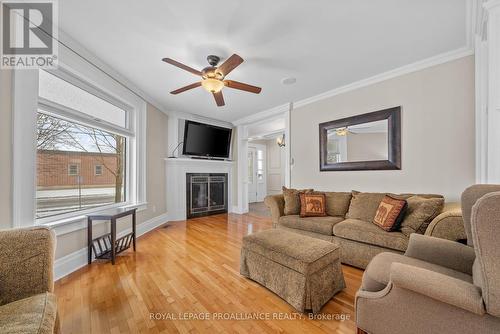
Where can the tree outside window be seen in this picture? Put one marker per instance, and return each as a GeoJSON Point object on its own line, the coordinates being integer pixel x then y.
{"type": "Point", "coordinates": [98, 178]}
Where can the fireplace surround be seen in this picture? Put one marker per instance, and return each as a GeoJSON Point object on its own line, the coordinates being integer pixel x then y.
{"type": "Point", "coordinates": [178, 168]}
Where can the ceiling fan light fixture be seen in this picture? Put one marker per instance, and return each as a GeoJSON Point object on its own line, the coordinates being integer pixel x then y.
{"type": "Point", "coordinates": [341, 132]}
{"type": "Point", "coordinates": [212, 85]}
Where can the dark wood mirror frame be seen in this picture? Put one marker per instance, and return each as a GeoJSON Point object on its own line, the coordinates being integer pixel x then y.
{"type": "Point", "coordinates": [393, 117]}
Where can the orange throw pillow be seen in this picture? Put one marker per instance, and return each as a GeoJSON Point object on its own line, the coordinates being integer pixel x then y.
{"type": "Point", "coordinates": [390, 213]}
{"type": "Point", "coordinates": [312, 205]}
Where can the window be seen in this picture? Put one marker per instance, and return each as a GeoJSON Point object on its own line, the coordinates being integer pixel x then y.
{"type": "Point", "coordinates": [98, 170]}
{"type": "Point", "coordinates": [73, 170]}
{"type": "Point", "coordinates": [55, 89]}
{"type": "Point", "coordinates": [250, 166]}
{"type": "Point", "coordinates": [85, 151]}
{"type": "Point", "coordinates": [260, 165]}
{"type": "Point", "coordinates": [81, 150]}
{"type": "Point", "coordinates": [87, 106]}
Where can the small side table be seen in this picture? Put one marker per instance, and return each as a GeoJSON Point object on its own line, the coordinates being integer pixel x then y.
{"type": "Point", "coordinates": [107, 246]}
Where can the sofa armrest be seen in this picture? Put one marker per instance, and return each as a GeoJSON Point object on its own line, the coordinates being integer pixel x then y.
{"type": "Point", "coordinates": [276, 203]}
{"type": "Point", "coordinates": [440, 287]}
{"type": "Point", "coordinates": [26, 263]}
{"type": "Point", "coordinates": [446, 253]}
{"type": "Point", "coordinates": [449, 224]}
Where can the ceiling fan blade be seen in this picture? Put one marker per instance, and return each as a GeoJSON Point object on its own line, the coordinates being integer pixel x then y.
{"type": "Point", "coordinates": [188, 87]}
{"type": "Point", "coordinates": [219, 99]}
{"type": "Point", "coordinates": [230, 64]}
{"type": "Point", "coordinates": [180, 65]}
{"type": "Point", "coordinates": [242, 86]}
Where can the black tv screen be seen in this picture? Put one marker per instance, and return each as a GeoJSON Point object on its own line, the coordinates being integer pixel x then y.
{"type": "Point", "coordinates": [206, 140]}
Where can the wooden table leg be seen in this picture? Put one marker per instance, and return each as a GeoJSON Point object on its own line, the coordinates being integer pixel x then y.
{"type": "Point", "coordinates": [89, 239]}
{"type": "Point", "coordinates": [113, 240]}
{"type": "Point", "coordinates": [133, 229]}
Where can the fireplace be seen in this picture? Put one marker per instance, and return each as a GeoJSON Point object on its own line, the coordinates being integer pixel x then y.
{"type": "Point", "coordinates": [206, 194]}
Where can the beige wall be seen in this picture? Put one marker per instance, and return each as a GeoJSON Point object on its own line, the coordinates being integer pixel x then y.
{"type": "Point", "coordinates": [5, 148]}
{"type": "Point", "coordinates": [156, 143]}
{"type": "Point", "coordinates": [437, 133]}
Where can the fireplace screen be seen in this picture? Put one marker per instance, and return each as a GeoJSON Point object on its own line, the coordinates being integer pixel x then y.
{"type": "Point", "coordinates": [206, 194]}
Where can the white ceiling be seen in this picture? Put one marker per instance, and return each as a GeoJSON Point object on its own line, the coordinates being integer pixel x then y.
{"type": "Point", "coordinates": [325, 44]}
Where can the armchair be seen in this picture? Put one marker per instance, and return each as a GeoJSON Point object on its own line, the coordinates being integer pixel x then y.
{"type": "Point", "coordinates": [27, 304]}
{"type": "Point", "coordinates": [439, 286]}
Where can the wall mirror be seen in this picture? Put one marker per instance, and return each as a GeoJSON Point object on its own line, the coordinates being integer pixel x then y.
{"type": "Point", "coordinates": [364, 142]}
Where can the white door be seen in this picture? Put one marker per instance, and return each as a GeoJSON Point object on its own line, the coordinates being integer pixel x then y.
{"type": "Point", "coordinates": [257, 188]}
{"type": "Point", "coordinates": [252, 182]}
{"type": "Point", "coordinates": [275, 168]}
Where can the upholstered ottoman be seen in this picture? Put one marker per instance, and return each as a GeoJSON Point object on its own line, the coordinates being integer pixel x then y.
{"type": "Point", "coordinates": [304, 271]}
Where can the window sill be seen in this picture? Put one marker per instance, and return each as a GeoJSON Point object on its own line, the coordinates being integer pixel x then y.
{"type": "Point", "coordinates": [76, 223]}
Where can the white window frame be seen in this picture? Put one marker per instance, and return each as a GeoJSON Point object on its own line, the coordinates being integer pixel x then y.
{"type": "Point", "coordinates": [95, 170]}
{"type": "Point", "coordinates": [77, 170]}
{"type": "Point", "coordinates": [26, 104]}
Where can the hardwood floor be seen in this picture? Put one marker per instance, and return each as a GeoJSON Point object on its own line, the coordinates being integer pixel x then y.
{"type": "Point", "coordinates": [258, 209]}
{"type": "Point", "coordinates": [190, 269]}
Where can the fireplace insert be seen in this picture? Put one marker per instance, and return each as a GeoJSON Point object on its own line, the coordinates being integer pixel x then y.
{"type": "Point", "coordinates": [206, 194]}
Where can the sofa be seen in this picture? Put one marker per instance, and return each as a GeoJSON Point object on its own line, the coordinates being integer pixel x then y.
{"type": "Point", "coordinates": [348, 223]}
{"type": "Point", "coordinates": [27, 302]}
{"type": "Point", "coordinates": [439, 286]}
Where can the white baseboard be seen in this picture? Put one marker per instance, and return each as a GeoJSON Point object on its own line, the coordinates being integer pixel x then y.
{"type": "Point", "coordinates": [76, 260]}
{"type": "Point", "coordinates": [238, 210]}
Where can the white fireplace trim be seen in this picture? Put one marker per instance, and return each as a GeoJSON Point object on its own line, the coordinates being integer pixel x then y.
{"type": "Point", "coordinates": [176, 169]}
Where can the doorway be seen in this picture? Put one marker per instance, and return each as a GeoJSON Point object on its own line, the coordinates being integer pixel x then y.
{"type": "Point", "coordinates": [257, 174]}
{"type": "Point", "coordinates": [272, 132]}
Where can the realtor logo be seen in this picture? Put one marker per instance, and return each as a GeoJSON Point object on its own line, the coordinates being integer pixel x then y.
{"type": "Point", "coordinates": [29, 34]}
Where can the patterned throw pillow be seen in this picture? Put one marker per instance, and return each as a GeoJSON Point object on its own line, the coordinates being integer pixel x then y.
{"type": "Point", "coordinates": [292, 200]}
{"type": "Point", "coordinates": [421, 211]}
{"type": "Point", "coordinates": [312, 205]}
{"type": "Point", "coordinates": [390, 213]}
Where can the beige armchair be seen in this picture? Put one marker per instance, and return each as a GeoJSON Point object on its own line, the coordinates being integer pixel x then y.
{"type": "Point", "coordinates": [439, 286]}
{"type": "Point", "coordinates": [27, 304]}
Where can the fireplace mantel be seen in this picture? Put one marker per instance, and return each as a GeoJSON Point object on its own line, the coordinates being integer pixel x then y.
{"type": "Point", "coordinates": [176, 169]}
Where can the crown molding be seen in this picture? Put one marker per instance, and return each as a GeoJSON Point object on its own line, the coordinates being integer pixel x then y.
{"type": "Point", "coordinates": [414, 67]}
{"type": "Point", "coordinates": [263, 115]}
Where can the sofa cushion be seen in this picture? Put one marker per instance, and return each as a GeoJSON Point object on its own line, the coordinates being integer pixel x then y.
{"type": "Point", "coordinates": [421, 211]}
{"type": "Point", "coordinates": [337, 203]}
{"type": "Point", "coordinates": [363, 206]}
{"type": "Point", "coordinates": [377, 274]}
{"type": "Point", "coordinates": [36, 314]}
{"type": "Point", "coordinates": [358, 230]}
{"type": "Point", "coordinates": [321, 225]}
{"type": "Point", "coordinates": [312, 205]}
{"type": "Point", "coordinates": [292, 200]}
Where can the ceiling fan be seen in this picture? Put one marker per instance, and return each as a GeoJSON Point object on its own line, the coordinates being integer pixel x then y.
{"type": "Point", "coordinates": [212, 77]}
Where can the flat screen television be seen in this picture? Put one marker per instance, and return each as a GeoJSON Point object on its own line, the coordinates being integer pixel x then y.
{"type": "Point", "coordinates": [204, 140]}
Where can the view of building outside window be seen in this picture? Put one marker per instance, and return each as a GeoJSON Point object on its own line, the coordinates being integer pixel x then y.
{"type": "Point", "coordinates": [78, 167]}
